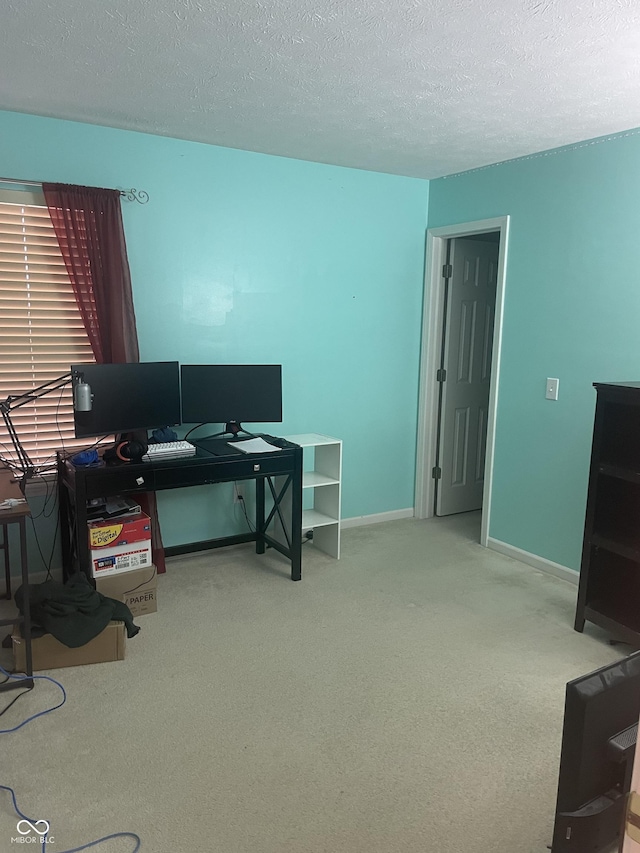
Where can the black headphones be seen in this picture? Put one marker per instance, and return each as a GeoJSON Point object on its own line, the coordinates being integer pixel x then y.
{"type": "Point", "coordinates": [131, 450]}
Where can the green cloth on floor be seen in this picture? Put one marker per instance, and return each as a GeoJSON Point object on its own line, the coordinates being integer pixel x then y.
{"type": "Point", "coordinates": [74, 612]}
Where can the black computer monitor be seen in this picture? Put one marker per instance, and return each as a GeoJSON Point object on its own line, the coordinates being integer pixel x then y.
{"type": "Point", "coordinates": [128, 397]}
{"type": "Point", "coordinates": [231, 394]}
{"type": "Point", "coordinates": [598, 745]}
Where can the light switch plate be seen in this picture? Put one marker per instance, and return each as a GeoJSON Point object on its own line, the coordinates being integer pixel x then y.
{"type": "Point", "coordinates": [552, 389]}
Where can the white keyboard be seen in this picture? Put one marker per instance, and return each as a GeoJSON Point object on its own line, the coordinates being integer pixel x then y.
{"type": "Point", "coordinates": [169, 450]}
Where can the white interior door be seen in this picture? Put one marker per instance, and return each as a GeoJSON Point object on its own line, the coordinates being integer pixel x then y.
{"type": "Point", "coordinates": [468, 338]}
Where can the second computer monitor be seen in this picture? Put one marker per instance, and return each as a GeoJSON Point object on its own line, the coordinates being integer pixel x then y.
{"type": "Point", "coordinates": [231, 393]}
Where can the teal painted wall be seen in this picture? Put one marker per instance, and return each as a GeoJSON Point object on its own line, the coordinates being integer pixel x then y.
{"type": "Point", "coordinates": [572, 310]}
{"type": "Point", "coordinates": [243, 257]}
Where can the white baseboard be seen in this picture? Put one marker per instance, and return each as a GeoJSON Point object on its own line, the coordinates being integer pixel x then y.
{"type": "Point", "coordinates": [540, 563]}
{"type": "Point", "coordinates": [393, 515]}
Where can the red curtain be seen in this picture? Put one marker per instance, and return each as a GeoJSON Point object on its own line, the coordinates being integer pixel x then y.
{"type": "Point", "coordinates": [89, 228]}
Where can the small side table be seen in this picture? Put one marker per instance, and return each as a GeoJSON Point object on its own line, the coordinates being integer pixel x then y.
{"type": "Point", "coordinates": [9, 488]}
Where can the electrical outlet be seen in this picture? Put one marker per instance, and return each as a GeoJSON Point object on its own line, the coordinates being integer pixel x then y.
{"type": "Point", "coordinates": [238, 493]}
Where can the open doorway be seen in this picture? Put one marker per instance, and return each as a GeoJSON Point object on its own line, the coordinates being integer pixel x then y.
{"type": "Point", "coordinates": [456, 434]}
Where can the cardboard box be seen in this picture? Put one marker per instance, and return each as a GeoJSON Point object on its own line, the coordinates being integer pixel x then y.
{"type": "Point", "coordinates": [107, 533]}
{"type": "Point", "coordinates": [137, 589]}
{"type": "Point", "coordinates": [49, 653]}
{"type": "Point", "coordinates": [120, 545]}
{"type": "Point", "coordinates": [123, 558]}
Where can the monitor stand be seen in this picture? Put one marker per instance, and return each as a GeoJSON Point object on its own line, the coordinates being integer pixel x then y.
{"type": "Point", "coordinates": [221, 443]}
{"type": "Point", "coordinates": [234, 429]}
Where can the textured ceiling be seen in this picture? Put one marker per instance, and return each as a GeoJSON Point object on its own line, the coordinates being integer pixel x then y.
{"type": "Point", "coordinates": [412, 87]}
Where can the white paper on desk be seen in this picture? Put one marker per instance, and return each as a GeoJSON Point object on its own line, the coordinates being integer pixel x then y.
{"type": "Point", "coordinates": [254, 445]}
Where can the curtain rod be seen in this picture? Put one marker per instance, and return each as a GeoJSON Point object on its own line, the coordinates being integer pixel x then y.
{"type": "Point", "coordinates": [141, 196]}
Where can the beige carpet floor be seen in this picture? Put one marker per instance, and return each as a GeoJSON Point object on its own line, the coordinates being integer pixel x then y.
{"type": "Point", "coordinates": [408, 697]}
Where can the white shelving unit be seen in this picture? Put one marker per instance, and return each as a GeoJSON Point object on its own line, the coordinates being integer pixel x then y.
{"type": "Point", "coordinates": [321, 485]}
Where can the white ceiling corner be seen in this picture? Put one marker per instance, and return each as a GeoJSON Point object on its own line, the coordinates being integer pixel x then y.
{"type": "Point", "coordinates": [421, 88]}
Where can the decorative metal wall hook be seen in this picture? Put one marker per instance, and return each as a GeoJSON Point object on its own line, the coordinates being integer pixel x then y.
{"type": "Point", "coordinates": [141, 196]}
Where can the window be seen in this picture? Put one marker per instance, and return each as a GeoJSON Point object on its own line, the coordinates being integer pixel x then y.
{"type": "Point", "coordinates": [41, 330]}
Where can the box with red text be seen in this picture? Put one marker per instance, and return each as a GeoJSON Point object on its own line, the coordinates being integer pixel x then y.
{"type": "Point", "coordinates": [120, 546]}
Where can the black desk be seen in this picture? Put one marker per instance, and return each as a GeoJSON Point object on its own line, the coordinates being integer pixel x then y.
{"type": "Point", "coordinates": [214, 462]}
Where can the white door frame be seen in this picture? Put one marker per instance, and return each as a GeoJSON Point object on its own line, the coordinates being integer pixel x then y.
{"type": "Point", "coordinates": [432, 323]}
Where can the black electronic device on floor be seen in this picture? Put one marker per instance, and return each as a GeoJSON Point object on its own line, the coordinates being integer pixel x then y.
{"type": "Point", "coordinates": [598, 747]}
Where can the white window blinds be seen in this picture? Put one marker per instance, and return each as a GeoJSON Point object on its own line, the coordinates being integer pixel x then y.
{"type": "Point", "coordinates": [41, 331]}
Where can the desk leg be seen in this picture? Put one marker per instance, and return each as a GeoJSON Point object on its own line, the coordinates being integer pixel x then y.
{"type": "Point", "coordinates": [26, 605]}
{"type": "Point", "coordinates": [72, 508]}
{"type": "Point", "coordinates": [80, 529]}
{"type": "Point", "coordinates": [296, 518]}
{"type": "Point", "coordinates": [7, 567]}
{"type": "Point", "coordinates": [64, 514]}
{"type": "Point", "coordinates": [260, 540]}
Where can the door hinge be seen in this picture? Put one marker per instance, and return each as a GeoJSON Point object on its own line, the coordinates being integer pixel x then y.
{"type": "Point", "coordinates": [441, 375]}
{"type": "Point", "coordinates": [436, 473]}
{"type": "Point", "coordinates": [447, 271]}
